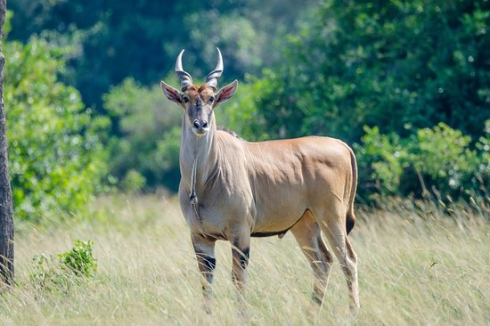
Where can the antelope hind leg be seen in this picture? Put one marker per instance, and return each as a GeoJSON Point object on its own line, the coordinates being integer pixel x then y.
{"type": "Point", "coordinates": [308, 235]}
{"type": "Point", "coordinates": [333, 225]}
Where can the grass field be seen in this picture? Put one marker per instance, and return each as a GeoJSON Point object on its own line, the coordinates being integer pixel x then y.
{"type": "Point", "coordinates": [416, 267]}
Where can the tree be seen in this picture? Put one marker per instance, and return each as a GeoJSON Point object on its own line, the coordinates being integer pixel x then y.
{"type": "Point", "coordinates": [398, 65]}
{"type": "Point", "coordinates": [57, 161]}
{"type": "Point", "coordinates": [6, 212]}
{"type": "Point", "coordinates": [150, 137]}
{"type": "Point", "coordinates": [116, 39]}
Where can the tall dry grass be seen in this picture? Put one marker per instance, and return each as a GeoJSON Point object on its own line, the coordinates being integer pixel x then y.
{"type": "Point", "coordinates": [416, 267]}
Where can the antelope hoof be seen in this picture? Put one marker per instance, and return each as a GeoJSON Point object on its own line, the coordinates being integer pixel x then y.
{"type": "Point", "coordinates": [355, 309]}
{"type": "Point", "coordinates": [207, 309]}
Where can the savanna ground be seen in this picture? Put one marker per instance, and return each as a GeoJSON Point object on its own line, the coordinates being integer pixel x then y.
{"type": "Point", "coordinates": [416, 267]}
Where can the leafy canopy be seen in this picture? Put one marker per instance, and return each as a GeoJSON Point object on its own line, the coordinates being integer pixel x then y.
{"type": "Point", "coordinates": [57, 162]}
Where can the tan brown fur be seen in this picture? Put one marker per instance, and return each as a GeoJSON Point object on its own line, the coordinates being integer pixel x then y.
{"type": "Point", "coordinates": [203, 92]}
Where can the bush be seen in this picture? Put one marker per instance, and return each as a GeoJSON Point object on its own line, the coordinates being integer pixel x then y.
{"type": "Point", "coordinates": [148, 137]}
{"type": "Point", "coordinates": [62, 271]}
{"type": "Point", "coordinates": [382, 160]}
{"type": "Point", "coordinates": [79, 259]}
{"type": "Point", "coordinates": [57, 162]}
{"type": "Point", "coordinates": [133, 181]}
{"type": "Point", "coordinates": [438, 160]}
{"type": "Point", "coordinates": [242, 113]}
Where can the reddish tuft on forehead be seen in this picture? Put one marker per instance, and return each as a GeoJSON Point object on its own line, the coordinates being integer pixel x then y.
{"type": "Point", "coordinates": [203, 89]}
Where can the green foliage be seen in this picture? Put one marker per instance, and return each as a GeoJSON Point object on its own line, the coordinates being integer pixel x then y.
{"type": "Point", "coordinates": [66, 269]}
{"type": "Point", "coordinates": [382, 160]}
{"type": "Point", "coordinates": [444, 154]}
{"type": "Point", "coordinates": [56, 159]}
{"type": "Point", "coordinates": [148, 147]}
{"type": "Point", "coordinates": [79, 259]}
{"type": "Point", "coordinates": [397, 65]}
{"type": "Point", "coordinates": [436, 161]}
{"type": "Point", "coordinates": [116, 39]}
{"type": "Point", "coordinates": [241, 113]}
{"type": "Point", "coordinates": [133, 181]}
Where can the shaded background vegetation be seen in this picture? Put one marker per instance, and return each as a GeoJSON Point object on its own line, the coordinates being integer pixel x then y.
{"type": "Point", "coordinates": [407, 84]}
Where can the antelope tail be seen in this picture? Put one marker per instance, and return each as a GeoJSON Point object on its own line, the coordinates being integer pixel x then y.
{"type": "Point", "coordinates": [351, 218]}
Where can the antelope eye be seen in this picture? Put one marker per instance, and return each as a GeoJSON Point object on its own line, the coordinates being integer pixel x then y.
{"type": "Point", "coordinates": [186, 99]}
{"type": "Point", "coordinates": [211, 99]}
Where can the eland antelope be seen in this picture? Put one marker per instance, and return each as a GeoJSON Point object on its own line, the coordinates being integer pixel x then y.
{"type": "Point", "coordinates": [232, 190]}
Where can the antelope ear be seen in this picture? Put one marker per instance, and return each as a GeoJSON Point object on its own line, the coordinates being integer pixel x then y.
{"type": "Point", "coordinates": [226, 93]}
{"type": "Point", "coordinates": [171, 93]}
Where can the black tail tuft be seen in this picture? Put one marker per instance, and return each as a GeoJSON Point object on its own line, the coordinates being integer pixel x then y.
{"type": "Point", "coordinates": [349, 224]}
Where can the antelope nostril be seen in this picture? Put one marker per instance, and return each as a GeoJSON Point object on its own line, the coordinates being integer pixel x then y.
{"type": "Point", "coordinates": [204, 124]}
{"type": "Point", "coordinates": [197, 124]}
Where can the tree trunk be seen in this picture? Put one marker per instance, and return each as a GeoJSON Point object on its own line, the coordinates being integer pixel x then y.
{"type": "Point", "coordinates": [6, 212]}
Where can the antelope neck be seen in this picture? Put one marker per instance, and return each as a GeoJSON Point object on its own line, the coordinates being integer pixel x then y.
{"type": "Point", "coordinates": [198, 157]}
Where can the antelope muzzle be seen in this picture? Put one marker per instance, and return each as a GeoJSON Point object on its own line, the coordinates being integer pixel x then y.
{"type": "Point", "coordinates": [200, 127]}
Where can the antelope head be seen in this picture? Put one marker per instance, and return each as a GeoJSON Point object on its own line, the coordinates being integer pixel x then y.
{"type": "Point", "coordinates": [199, 101]}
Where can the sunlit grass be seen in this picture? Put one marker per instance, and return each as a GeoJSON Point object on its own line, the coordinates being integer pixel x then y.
{"type": "Point", "coordinates": [415, 267]}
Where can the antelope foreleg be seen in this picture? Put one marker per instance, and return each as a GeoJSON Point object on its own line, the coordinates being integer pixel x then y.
{"type": "Point", "coordinates": [240, 254]}
{"type": "Point", "coordinates": [206, 262]}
